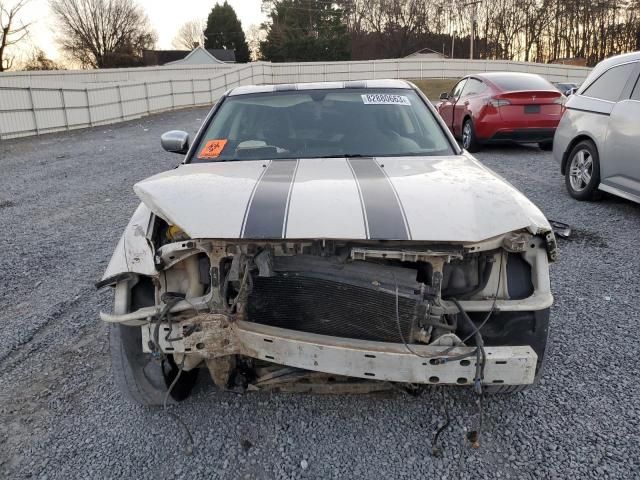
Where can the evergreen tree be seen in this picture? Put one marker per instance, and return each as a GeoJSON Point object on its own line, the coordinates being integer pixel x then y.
{"type": "Point", "coordinates": [306, 30]}
{"type": "Point", "coordinates": [224, 30]}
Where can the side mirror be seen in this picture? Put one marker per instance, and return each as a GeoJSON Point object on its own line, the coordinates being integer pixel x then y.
{"type": "Point", "coordinates": [560, 229]}
{"type": "Point", "coordinates": [444, 96]}
{"type": "Point", "coordinates": [571, 91]}
{"type": "Point", "coordinates": [175, 141]}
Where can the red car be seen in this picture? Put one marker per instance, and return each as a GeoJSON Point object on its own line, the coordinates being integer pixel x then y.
{"type": "Point", "coordinates": [502, 107]}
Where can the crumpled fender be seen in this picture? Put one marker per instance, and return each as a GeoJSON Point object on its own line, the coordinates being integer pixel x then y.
{"type": "Point", "coordinates": [134, 252]}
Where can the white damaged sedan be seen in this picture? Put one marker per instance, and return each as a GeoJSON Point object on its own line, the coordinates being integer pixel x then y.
{"type": "Point", "coordinates": [328, 237]}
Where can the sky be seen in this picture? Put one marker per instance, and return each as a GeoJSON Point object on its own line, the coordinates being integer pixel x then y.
{"type": "Point", "coordinates": [166, 17]}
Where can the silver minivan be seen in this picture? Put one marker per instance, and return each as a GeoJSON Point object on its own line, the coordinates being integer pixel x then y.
{"type": "Point", "coordinates": [597, 142]}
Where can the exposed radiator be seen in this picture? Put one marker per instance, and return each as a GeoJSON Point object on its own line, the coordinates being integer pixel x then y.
{"type": "Point", "coordinates": [326, 307]}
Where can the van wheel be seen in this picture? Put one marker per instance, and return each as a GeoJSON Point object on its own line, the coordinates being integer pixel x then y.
{"type": "Point", "coordinates": [582, 175]}
{"type": "Point", "coordinates": [469, 140]}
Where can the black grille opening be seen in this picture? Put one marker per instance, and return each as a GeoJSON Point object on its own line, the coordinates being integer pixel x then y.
{"type": "Point", "coordinates": [327, 307]}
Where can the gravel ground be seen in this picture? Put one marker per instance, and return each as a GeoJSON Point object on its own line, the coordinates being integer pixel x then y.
{"type": "Point", "coordinates": [65, 199]}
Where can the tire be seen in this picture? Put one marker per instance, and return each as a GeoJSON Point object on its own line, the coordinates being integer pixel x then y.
{"type": "Point", "coordinates": [506, 389]}
{"type": "Point", "coordinates": [469, 141]}
{"type": "Point", "coordinates": [582, 175]}
{"type": "Point", "coordinates": [546, 146]}
{"type": "Point", "coordinates": [140, 378]}
{"type": "Point", "coordinates": [512, 389]}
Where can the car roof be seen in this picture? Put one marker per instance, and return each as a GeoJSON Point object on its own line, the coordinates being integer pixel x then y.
{"type": "Point", "coordinates": [617, 60]}
{"type": "Point", "coordinates": [366, 84]}
{"type": "Point", "coordinates": [605, 65]}
{"type": "Point", "coordinates": [493, 78]}
{"type": "Point", "coordinates": [492, 75]}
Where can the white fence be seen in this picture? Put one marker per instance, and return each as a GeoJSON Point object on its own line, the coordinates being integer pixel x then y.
{"type": "Point", "coordinates": [35, 103]}
{"type": "Point", "coordinates": [59, 78]}
{"type": "Point", "coordinates": [415, 69]}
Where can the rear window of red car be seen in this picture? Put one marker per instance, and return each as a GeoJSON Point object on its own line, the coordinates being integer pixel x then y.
{"type": "Point", "coordinates": [511, 82]}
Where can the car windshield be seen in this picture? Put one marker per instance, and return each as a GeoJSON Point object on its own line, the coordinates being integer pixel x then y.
{"type": "Point", "coordinates": [322, 123]}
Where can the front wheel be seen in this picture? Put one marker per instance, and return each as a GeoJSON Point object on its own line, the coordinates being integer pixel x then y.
{"type": "Point", "coordinates": [140, 378]}
{"type": "Point", "coordinates": [582, 175]}
{"type": "Point", "coordinates": [511, 389]}
{"type": "Point", "coordinates": [469, 141]}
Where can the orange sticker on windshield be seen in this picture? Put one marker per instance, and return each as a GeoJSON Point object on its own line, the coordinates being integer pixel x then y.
{"type": "Point", "coordinates": [213, 149]}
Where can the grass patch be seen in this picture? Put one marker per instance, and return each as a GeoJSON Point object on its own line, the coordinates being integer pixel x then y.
{"type": "Point", "coordinates": [433, 87]}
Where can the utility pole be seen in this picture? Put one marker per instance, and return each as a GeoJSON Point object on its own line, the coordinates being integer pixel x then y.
{"type": "Point", "coordinates": [474, 19]}
{"type": "Point", "coordinates": [452, 24]}
{"type": "Point", "coordinates": [453, 41]}
{"type": "Point", "coordinates": [473, 31]}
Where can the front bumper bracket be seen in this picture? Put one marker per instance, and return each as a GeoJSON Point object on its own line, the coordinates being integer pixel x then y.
{"type": "Point", "coordinates": [215, 335]}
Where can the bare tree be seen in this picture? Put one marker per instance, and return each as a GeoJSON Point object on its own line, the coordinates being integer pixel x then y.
{"type": "Point", "coordinates": [540, 30]}
{"type": "Point", "coordinates": [103, 33]}
{"type": "Point", "coordinates": [577, 31]}
{"type": "Point", "coordinates": [255, 35]}
{"type": "Point", "coordinates": [38, 60]}
{"type": "Point", "coordinates": [189, 36]}
{"type": "Point", "coordinates": [10, 32]}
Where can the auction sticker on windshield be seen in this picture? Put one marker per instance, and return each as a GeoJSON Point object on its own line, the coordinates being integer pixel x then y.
{"type": "Point", "coordinates": [385, 99]}
{"type": "Point", "coordinates": [213, 148]}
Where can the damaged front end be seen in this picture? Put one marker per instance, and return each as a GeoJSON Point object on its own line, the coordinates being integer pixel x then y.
{"type": "Point", "coordinates": [335, 316]}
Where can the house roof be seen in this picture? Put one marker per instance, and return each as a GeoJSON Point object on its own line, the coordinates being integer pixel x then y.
{"type": "Point", "coordinates": [426, 52]}
{"type": "Point", "coordinates": [226, 55]}
{"type": "Point", "coordinates": [166, 57]}
{"type": "Point", "coordinates": [160, 57]}
{"type": "Point", "coordinates": [575, 61]}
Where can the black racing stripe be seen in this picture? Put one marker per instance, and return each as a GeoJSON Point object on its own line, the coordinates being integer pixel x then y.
{"type": "Point", "coordinates": [355, 84]}
{"type": "Point", "coordinates": [384, 214]}
{"type": "Point", "coordinates": [266, 213]}
{"type": "Point", "coordinates": [286, 211]}
{"type": "Point", "coordinates": [285, 87]}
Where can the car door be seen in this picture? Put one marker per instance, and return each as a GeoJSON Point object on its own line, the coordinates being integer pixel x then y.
{"type": "Point", "coordinates": [472, 88]}
{"type": "Point", "coordinates": [620, 159]}
{"type": "Point", "coordinates": [447, 106]}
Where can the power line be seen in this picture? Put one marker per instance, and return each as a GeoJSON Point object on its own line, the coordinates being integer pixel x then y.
{"type": "Point", "coordinates": [238, 31]}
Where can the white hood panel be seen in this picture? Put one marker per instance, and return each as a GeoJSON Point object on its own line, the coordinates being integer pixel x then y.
{"type": "Point", "coordinates": [457, 198]}
{"type": "Point", "coordinates": [413, 198]}
{"type": "Point", "coordinates": [205, 200]}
